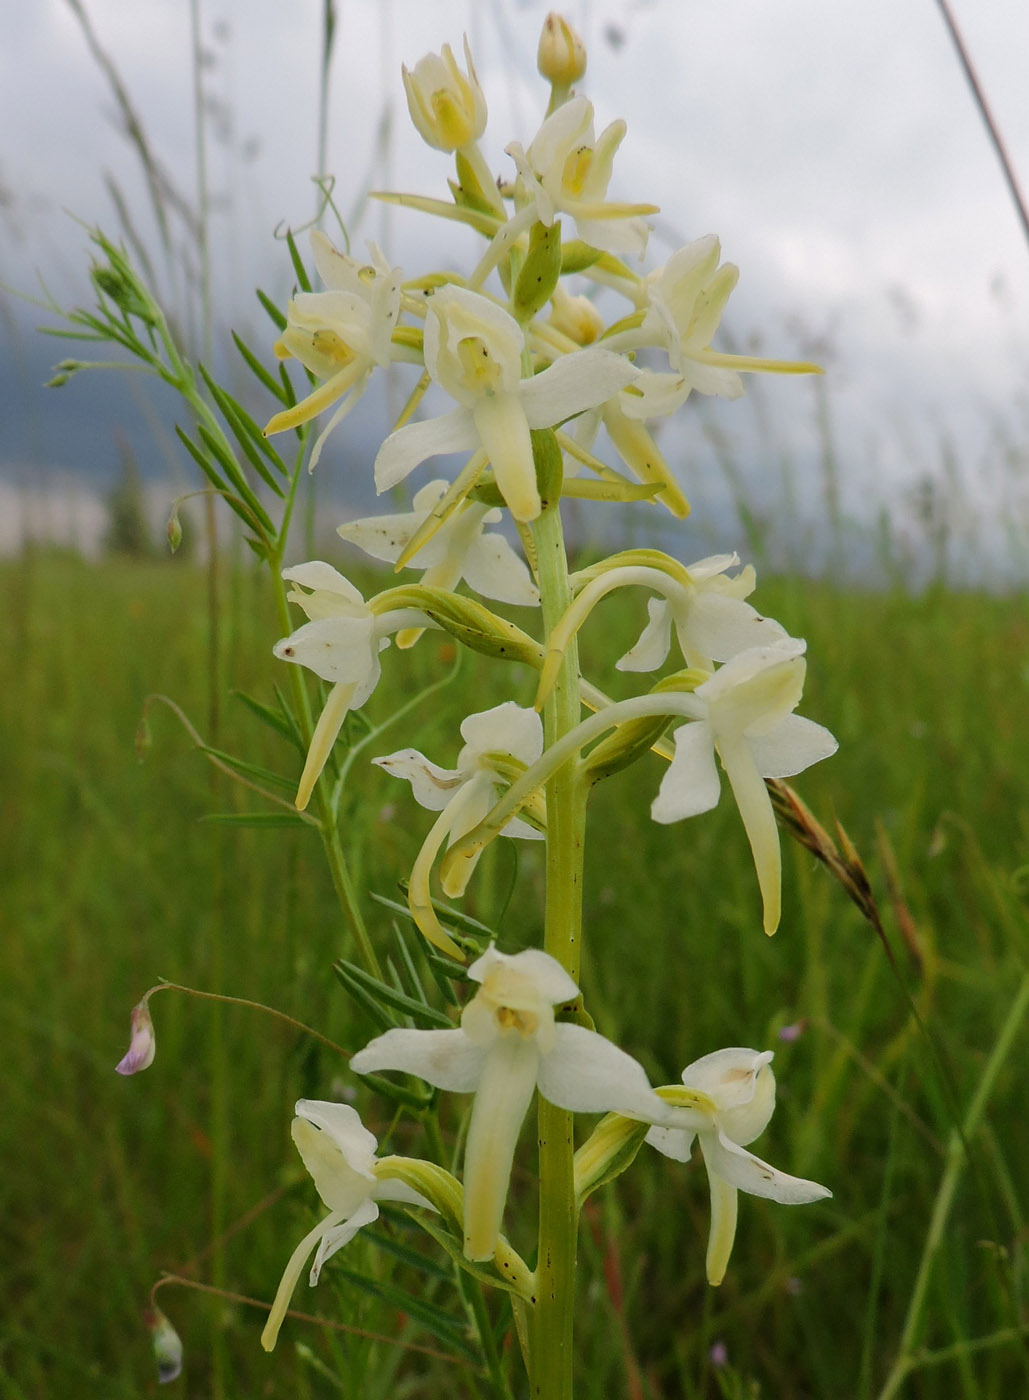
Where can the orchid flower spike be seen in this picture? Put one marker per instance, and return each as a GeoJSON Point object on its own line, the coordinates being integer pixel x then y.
{"type": "Point", "coordinates": [746, 716]}
{"type": "Point", "coordinates": [741, 1085]}
{"type": "Point", "coordinates": [341, 334]}
{"type": "Point", "coordinates": [341, 644]}
{"type": "Point", "coordinates": [339, 1152]}
{"type": "Point", "coordinates": [473, 349]}
{"type": "Point", "coordinates": [508, 1045]}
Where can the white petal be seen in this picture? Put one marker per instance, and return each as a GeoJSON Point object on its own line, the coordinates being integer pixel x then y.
{"type": "Point", "coordinates": [791, 747]}
{"type": "Point", "coordinates": [722, 1232]}
{"type": "Point", "coordinates": [504, 433]}
{"type": "Point", "coordinates": [521, 979]}
{"type": "Point", "coordinates": [494, 570]}
{"type": "Point", "coordinates": [676, 1143]}
{"type": "Point", "coordinates": [748, 788]}
{"type": "Point", "coordinates": [742, 1169]}
{"type": "Point", "coordinates": [390, 1189]}
{"type": "Point", "coordinates": [446, 1059]}
{"type": "Point", "coordinates": [343, 1125]}
{"type": "Point", "coordinates": [408, 446]}
{"type": "Point", "coordinates": [335, 648]}
{"type": "Point", "coordinates": [691, 784]}
{"type": "Point", "coordinates": [322, 577]}
{"type": "Point", "coordinates": [433, 787]}
{"type": "Point", "coordinates": [501, 1101]}
{"type": "Point", "coordinates": [588, 1074]}
{"type": "Point", "coordinates": [719, 626]}
{"type": "Point", "coordinates": [507, 728]}
{"type": "Point", "coordinates": [728, 1076]}
{"type": "Point", "coordinates": [655, 395]}
{"type": "Point", "coordinates": [583, 379]}
{"type": "Point", "coordinates": [654, 641]}
{"type": "Point", "coordinates": [340, 1235]}
{"type": "Point", "coordinates": [340, 1185]}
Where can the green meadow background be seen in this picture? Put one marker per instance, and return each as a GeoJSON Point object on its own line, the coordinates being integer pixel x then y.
{"type": "Point", "coordinates": [904, 1090]}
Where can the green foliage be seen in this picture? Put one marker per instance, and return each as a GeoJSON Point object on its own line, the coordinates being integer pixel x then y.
{"type": "Point", "coordinates": [110, 878]}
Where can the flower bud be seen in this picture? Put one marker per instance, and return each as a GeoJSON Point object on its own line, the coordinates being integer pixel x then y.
{"type": "Point", "coordinates": [447, 106]}
{"type": "Point", "coordinates": [167, 1345]}
{"type": "Point", "coordinates": [174, 529]}
{"type": "Point", "coordinates": [561, 56]}
{"type": "Point", "coordinates": [142, 1047]}
{"type": "Point", "coordinates": [576, 317]}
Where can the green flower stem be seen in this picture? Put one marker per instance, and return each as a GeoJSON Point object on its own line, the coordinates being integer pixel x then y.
{"type": "Point", "coordinates": [551, 1377]}
{"type": "Point", "coordinates": [909, 1358]}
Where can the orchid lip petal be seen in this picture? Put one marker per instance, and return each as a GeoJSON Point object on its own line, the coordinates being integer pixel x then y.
{"type": "Point", "coordinates": [504, 1093]}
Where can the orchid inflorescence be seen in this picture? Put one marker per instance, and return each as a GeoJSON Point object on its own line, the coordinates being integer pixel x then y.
{"type": "Point", "coordinates": [536, 376]}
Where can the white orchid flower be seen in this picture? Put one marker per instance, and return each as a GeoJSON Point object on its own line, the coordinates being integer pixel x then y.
{"type": "Point", "coordinates": [745, 714]}
{"type": "Point", "coordinates": [460, 549]}
{"type": "Point", "coordinates": [567, 169]}
{"type": "Point", "coordinates": [508, 1045]}
{"type": "Point", "coordinates": [473, 349]}
{"type": "Point", "coordinates": [448, 107]}
{"type": "Point", "coordinates": [341, 334]}
{"type": "Point", "coordinates": [463, 796]}
{"type": "Point", "coordinates": [711, 620]}
{"type": "Point", "coordinates": [341, 644]}
{"type": "Point", "coordinates": [685, 300]}
{"type": "Point", "coordinates": [339, 1152]}
{"type": "Point", "coordinates": [741, 1085]}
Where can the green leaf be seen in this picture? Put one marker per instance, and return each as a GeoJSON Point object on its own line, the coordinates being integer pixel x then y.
{"type": "Point", "coordinates": [202, 461]}
{"type": "Point", "coordinates": [453, 1331]}
{"type": "Point", "coordinates": [281, 721]}
{"type": "Point", "coordinates": [258, 370]}
{"type": "Point", "coordinates": [249, 435]}
{"type": "Point", "coordinates": [303, 281]}
{"type": "Point", "coordinates": [354, 978]}
{"type": "Point", "coordinates": [276, 316]}
{"type": "Point", "coordinates": [220, 451]}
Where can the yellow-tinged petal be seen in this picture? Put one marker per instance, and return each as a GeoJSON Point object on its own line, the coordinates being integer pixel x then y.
{"type": "Point", "coordinates": [330, 721]}
{"type": "Point", "coordinates": [320, 399]}
{"type": "Point", "coordinates": [755, 806]}
{"type": "Point", "coordinates": [724, 1203]}
{"type": "Point", "coordinates": [504, 431]}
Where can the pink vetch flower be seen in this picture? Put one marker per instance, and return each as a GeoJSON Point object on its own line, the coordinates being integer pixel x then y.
{"type": "Point", "coordinates": [167, 1345]}
{"type": "Point", "coordinates": [142, 1046]}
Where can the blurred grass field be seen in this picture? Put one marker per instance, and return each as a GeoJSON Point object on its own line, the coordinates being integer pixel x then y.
{"type": "Point", "coordinates": [112, 880]}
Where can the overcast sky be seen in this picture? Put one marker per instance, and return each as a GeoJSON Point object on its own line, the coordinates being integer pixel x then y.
{"type": "Point", "coordinates": [832, 144]}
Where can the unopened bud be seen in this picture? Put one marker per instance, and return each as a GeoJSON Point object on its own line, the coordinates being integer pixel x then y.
{"type": "Point", "coordinates": [447, 106]}
{"type": "Point", "coordinates": [167, 1345]}
{"type": "Point", "coordinates": [174, 530]}
{"type": "Point", "coordinates": [576, 317]}
{"type": "Point", "coordinates": [561, 56]}
{"type": "Point", "coordinates": [140, 1054]}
